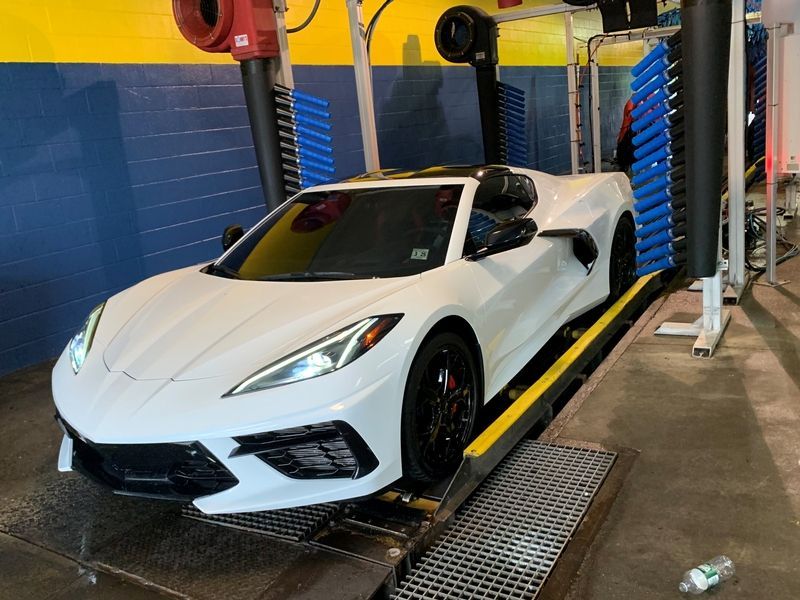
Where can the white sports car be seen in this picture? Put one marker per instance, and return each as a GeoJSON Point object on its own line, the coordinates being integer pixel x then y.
{"type": "Point", "coordinates": [347, 340]}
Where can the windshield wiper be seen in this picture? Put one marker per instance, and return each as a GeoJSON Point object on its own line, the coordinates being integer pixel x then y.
{"type": "Point", "coordinates": [227, 271]}
{"type": "Point", "coordinates": [310, 275]}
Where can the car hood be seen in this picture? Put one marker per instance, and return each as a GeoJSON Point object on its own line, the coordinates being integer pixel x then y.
{"type": "Point", "coordinates": [200, 326]}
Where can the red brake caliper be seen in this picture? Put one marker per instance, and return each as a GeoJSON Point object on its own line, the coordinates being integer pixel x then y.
{"type": "Point", "coordinates": [451, 385]}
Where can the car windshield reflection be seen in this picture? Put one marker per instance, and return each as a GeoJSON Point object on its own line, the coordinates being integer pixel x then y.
{"type": "Point", "coordinates": [349, 234]}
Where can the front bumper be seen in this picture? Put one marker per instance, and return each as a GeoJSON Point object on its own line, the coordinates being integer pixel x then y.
{"type": "Point", "coordinates": [188, 471]}
{"type": "Point", "coordinates": [172, 471]}
{"type": "Point", "coordinates": [105, 408]}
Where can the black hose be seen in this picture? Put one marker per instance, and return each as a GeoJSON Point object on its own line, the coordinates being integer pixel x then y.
{"type": "Point", "coordinates": [308, 20]}
{"type": "Point", "coordinates": [374, 21]}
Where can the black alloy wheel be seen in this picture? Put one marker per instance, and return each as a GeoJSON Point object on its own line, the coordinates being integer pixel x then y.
{"type": "Point", "coordinates": [440, 407]}
{"type": "Point", "coordinates": [622, 262]}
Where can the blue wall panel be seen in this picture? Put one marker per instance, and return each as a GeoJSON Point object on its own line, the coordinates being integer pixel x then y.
{"type": "Point", "coordinates": [110, 174]}
{"type": "Point", "coordinates": [113, 173]}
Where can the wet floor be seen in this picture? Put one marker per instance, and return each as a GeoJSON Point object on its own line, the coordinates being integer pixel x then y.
{"type": "Point", "coordinates": [61, 536]}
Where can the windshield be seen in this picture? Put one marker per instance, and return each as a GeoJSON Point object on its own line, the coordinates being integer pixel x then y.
{"type": "Point", "coordinates": [349, 234]}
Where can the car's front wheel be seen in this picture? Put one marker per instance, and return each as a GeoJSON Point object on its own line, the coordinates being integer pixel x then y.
{"type": "Point", "coordinates": [622, 262]}
{"type": "Point", "coordinates": [440, 407]}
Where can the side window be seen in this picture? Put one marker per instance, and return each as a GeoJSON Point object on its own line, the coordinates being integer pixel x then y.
{"type": "Point", "coordinates": [497, 200]}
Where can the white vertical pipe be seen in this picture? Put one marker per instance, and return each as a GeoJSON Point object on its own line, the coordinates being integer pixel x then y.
{"type": "Point", "coordinates": [594, 106]}
{"type": "Point", "coordinates": [737, 123]}
{"type": "Point", "coordinates": [363, 72]}
{"type": "Point", "coordinates": [284, 75]}
{"type": "Point", "coordinates": [773, 82]}
{"type": "Point", "coordinates": [572, 94]}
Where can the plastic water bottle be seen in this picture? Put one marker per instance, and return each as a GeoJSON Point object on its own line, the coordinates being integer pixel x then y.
{"type": "Point", "coordinates": [704, 577]}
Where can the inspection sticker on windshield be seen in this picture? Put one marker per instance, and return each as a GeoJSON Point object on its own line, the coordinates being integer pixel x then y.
{"type": "Point", "coordinates": [419, 254]}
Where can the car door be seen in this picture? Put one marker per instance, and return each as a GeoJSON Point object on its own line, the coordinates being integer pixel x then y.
{"type": "Point", "coordinates": [521, 290]}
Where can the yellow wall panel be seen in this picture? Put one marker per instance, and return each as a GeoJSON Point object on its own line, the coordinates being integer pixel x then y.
{"type": "Point", "coordinates": [121, 31]}
{"type": "Point", "coordinates": [97, 31]}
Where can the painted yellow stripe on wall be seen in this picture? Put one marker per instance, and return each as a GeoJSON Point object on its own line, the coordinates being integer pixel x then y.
{"type": "Point", "coordinates": [121, 31]}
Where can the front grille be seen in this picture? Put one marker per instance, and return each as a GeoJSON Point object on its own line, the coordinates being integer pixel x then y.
{"type": "Point", "coordinates": [324, 450]}
{"type": "Point", "coordinates": [177, 471]}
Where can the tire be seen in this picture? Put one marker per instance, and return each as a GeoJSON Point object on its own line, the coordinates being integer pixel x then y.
{"type": "Point", "coordinates": [432, 438]}
{"type": "Point", "coordinates": [622, 262]}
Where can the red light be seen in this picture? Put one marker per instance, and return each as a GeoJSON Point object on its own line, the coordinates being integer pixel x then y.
{"type": "Point", "coordinates": [245, 28]}
{"type": "Point", "coordinates": [508, 3]}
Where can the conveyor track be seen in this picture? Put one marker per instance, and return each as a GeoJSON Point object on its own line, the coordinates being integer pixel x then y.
{"type": "Point", "coordinates": [295, 524]}
{"type": "Point", "coordinates": [507, 537]}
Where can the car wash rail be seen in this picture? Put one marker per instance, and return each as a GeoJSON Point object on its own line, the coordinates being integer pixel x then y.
{"type": "Point", "coordinates": [497, 440]}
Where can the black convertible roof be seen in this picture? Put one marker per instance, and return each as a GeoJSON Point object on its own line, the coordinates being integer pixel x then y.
{"type": "Point", "coordinates": [478, 172]}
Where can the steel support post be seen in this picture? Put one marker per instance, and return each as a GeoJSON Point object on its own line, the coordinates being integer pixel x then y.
{"type": "Point", "coordinates": [708, 329]}
{"type": "Point", "coordinates": [773, 98]}
{"type": "Point", "coordinates": [791, 199]}
{"type": "Point", "coordinates": [572, 89]}
{"type": "Point", "coordinates": [363, 73]}
{"type": "Point", "coordinates": [284, 75]}
{"type": "Point", "coordinates": [737, 124]}
{"type": "Point", "coordinates": [594, 106]}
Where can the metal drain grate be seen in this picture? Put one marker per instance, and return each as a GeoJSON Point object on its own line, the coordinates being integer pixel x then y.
{"type": "Point", "coordinates": [296, 524]}
{"type": "Point", "coordinates": [506, 539]}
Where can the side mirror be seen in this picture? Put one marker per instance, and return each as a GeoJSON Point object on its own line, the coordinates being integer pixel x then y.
{"type": "Point", "coordinates": [583, 245]}
{"type": "Point", "coordinates": [231, 235]}
{"type": "Point", "coordinates": [505, 236]}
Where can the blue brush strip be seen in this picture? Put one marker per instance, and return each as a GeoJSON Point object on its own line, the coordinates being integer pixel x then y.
{"type": "Point", "coordinates": [654, 55]}
{"type": "Point", "coordinates": [653, 130]}
{"type": "Point", "coordinates": [665, 263]}
{"type": "Point", "coordinates": [305, 142]}
{"type": "Point", "coordinates": [656, 253]}
{"type": "Point", "coordinates": [658, 81]}
{"type": "Point", "coordinates": [651, 159]}
{"type": "Point", "coordinates": [654, 171]}
{"type": "Point", "coordinates": [647, 203]}
{"type": "Point", "coordinates": [644, 121]}
{"type": "Point", "coordinates": [302, 107]}
{"type": "Point", "coordinates": [298, 95]}
{"type": "Point", "coordinates": [656, 143]}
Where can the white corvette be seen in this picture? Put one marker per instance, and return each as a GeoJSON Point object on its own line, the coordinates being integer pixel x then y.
{"type": "Point", "coordinates": [347, 340]}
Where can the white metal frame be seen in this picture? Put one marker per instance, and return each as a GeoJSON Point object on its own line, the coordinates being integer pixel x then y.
{"type": "Point", "coordinates": [573, 95]}
{"type": "Point", "coordinates": [737, 127]}
{"type": "Point", "coordinates": [572, 66]}
{"type": "Point", "coordinates": [364, 94]}
{"type": "Point", "coordinates": [594, 73]}
{"type": "Point", "coordinates": [284, 75]}
{"type": "Point", "coordinates": [776, 31]}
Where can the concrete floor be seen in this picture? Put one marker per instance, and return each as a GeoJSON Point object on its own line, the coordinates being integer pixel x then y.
{"type": "Point", "coordinates": [718, 441]}
{"type": "Point", "coordinates": [717, 471]}
{"type": "Point", "coordinates": [63, 537]}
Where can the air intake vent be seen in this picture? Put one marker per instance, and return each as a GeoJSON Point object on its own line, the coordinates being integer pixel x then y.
{"type": "Point", "coordinates": [324, 450]}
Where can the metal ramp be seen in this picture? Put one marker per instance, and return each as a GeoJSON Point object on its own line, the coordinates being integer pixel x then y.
{"type": "Point", "coordinates": [507, 537]}
{"type": "Point", "coordinates": [295, 524]}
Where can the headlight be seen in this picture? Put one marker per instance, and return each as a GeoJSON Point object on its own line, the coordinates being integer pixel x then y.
{"type": "Point", "coordinates": [81, 343]}
{"type": "Point", "coordinates": [328, 354]}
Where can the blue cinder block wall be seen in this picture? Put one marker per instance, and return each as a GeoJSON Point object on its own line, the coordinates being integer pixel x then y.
{"type": "Point", "coordinates": [112, 173]}
{"type": "Point", "coordinates": [109, 174]}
